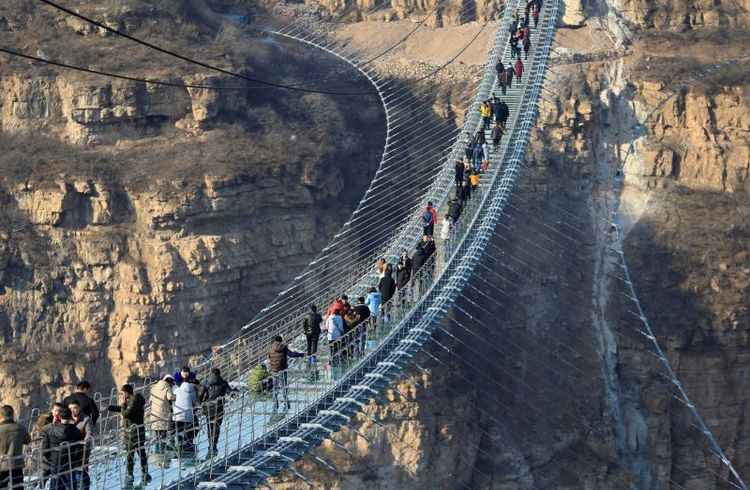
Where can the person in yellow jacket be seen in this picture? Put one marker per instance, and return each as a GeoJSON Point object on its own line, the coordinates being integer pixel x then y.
{"type": "Point", "coordinates": [474, 179]}
{"type": "Point", "coordinates": [485, 110]}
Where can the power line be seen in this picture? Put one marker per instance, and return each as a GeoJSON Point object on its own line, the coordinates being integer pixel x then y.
{"type": "Point", "coordinates": [114, 75]}
{"type": "Point", "coordinates": [196, 62]}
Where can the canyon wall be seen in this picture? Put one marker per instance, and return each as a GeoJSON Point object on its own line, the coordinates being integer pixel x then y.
{"type": "Point", "coordinates": [438, 13]}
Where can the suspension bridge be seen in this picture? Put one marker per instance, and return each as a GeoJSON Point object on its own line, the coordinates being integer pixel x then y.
{"type": "Point", "coordinates": [257, 440]}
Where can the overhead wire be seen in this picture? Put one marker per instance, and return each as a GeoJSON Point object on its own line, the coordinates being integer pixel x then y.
{"type": "Point", "coordinates": [193, 61]}
{"type": "Point", "coordinates": [92, 71]}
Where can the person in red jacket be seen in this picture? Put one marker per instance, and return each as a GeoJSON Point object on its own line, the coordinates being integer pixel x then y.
{"type": "Point", "coordinates": [338, 307]}
{"type": "Point", "coordinates": [429, 218]}
{"type": "Point", "coordinates": [518, 68]}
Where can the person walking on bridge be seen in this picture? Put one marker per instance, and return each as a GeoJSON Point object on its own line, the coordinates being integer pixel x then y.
{"type": "Point", "coordinates": [184, 415]}
{"type": "Point", "coordinates": [278, 357]}
{"type": "Point", "coordinates": [497, 134]}
{"type": "Point", "coordinates": [459, 173]}
{"type": "Point", "coordinates": [311, 328]}
{"type": "Point", "coordinates": [132, 409]}
{"type": "Point", "coordinates": [334, 333]}
{"type": "Point", "coordinates": [502, 113]}
{"type": "Point", "coordinates": [502, 80]}
{"type": "Point", "coordinates": [477, 158]}
{"type": "Point", "coordinates": [509, 75]}
{"type": "Point", "coordinates": [403, 273]}
{"type": "Point", "coordinates": [387, 288]}
{"type": "Point", "coordinates": [499, 68]}
{"type": "Point", "coordinates": [373, 301]}
{"type": "Point", "coordinates": [13, 437]}
{"type": "Point", "coordinates": [518, 69]}
{"type": "Point", "coordinates": [513, 44]}
{"type": "Point", "coordinates": [62, 451]}
{"type": "Point", "coordinates": [161, 398]}
{"type": "Point", "coordinates": [214, 391]}
{"type": "Point", "coordinates": [84, 425]}
{"type": "Point", "coordinates": [485, 111]}
{"type": "Point", "coordinates": [429, 218]}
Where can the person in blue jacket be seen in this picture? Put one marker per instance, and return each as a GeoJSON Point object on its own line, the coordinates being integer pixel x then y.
{"type": "Point", "coordinates": [373, 300]}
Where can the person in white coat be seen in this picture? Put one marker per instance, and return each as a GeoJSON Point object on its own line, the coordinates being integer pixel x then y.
{"type": "Point", "coordinates": [186, 399]}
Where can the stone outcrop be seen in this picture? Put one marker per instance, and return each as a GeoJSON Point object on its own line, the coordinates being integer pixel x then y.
{"type": "Point", "coordinates": [103, 112]}
{"type": "Point", "coordinates": [680, 15]}
{"type": "Point", "coordinates": [696, 139]}
{"type": "Point", "coordinates": [441, 13]}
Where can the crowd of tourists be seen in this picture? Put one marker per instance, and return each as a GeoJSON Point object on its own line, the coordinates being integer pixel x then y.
{"type": "Point", "coordinates": [64, 437]}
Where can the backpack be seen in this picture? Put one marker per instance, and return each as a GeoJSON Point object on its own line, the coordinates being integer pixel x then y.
{"type": "Point", "coordinates": [259, 379]}
{"type": "Point", "coordinates": [306, 326]}
{"type": "Point", "coordinates": [427, 218]}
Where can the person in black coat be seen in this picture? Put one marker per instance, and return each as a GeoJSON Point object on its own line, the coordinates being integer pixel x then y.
{"type": "Point", "coordinates": [455, 206]}
{"type": "Point", "coordinates": [87, 404]}
{"type": "Point", "coordinates": [212, 397]}
{"type": "Point", "coordinates": [387, 285]}
{"type": "Point", "coordinates": [403, 269]}
{"type": "Point", "coordinates": [133, 411]}
{"type": "Point", "coordinates": [459, 172]}
{"type": "Point", "coordinates": [418, 258]}
{"type": "Point", "coordinates": [509, 74]}
{"type": "Point", "coordinates": [465, 191]}
{"type": "Point", "coordinates": [499, 68]}
{"type": "Point", "coordinates": [62, 450]}
{"type": "Point", "coordinates": [503, 112]}
{"type": "Point", "coordinates": [311, 328]}
{"type": "Point", "coordinates": [424, 250]}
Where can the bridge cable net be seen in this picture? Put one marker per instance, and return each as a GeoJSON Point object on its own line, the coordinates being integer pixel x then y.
{"type": "Point", "coordinates": [325, 411]}
{"type": "Point", "coordinates": [503, 180]}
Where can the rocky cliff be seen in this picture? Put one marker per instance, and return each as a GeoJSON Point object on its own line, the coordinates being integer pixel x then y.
{"type": "Point", "coordinates": [437, 13]}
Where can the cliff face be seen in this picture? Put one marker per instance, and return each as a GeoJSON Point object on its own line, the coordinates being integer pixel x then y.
{"type": "Point", "coordinates": [441, 13]}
